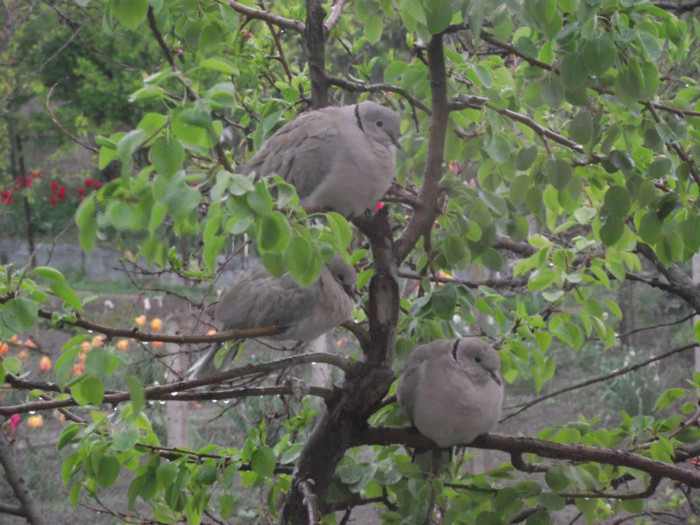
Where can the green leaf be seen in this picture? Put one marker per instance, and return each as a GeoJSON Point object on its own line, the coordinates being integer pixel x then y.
{"type": "Point", "coordinates": [166, 473]}
{"type": "Point", "coordinates": [131, 13]}
{"type": "Point", "coordinates": [107, 471]}
{"type": "Point", "coordinates": [129, 143]}
{"type": "Point", "coordinates": [219, 64]}
{"type": "Point", "coordinates": [66, 293]}
{"type": "Point", "coordinates": [19, 315]}
{"type": "Point", "coordinates": [667, 397]}
{"type": "Point", "coordinates": [650, 44]}
{"type": "Point", "coordinates": [50, 273]}
{"type": "Point", "coordinates": [557, 479]}
{"type": "Point", "coordinates": [84, 218]}
{"type": "Point", "coordinates": [526, 157]}
{"type": "Point", "coordinates": [136, 394]}
{"type": "Point", "coordinates": [340, 228]}
{"type": "Point", "coordinates": [88, 391]}
{"type": "Point", "coordinates": [167, 156]}
{"type": "Point", "coordinates": [617, 201]}
{"type": "Point", "coordinates": [221, 96]}
{"type": "Point", "coordinates": [599, 55]}
{"type": "Point", "coordinates": [498, 148]}
{"type": "Point", "coordinates": [581, 127]}
{"type": "Point", "coordinates": [274, 232]}
{"type": "Point", "coordinates": [125, 440]}
{"type": "Point", "coordinates": [300, 260]}
{"type": "Point", "coordinates": [260, 200]}
{"type": "Point", "coordinates": [373, 29]}
{"type": "Point", "coordinates": [263, 461]}
{"type": "Point", "coordinates": [612, 230]}
{"type": "Point", "coordinates": [68, 435]}
{"type": "Point", "coordinates": [558, 172]}
{"type": "Point", "coordinates": [484, 75]}
{"type": "Point", "coordinates": [443, 301]}
{"type": "Point", "coordinates": [573, 72]}
{"type": "Point", "coordinates": [438, 14]}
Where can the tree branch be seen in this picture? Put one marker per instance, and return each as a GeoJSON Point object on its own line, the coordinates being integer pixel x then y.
{"type": "Point", "coordinates": [680, 283]}
{"type": "Point", "coordinates": [166, 390]}
{"type": "Point", "coordinates": [13, 476]}
{"type": "Point", "coordinates": [350, 85]}
{"type": "Point", "coordinates": [409, 437]}
{"type": "Point", "coordinates": [424, 215]}
{"type": "Point", "coordinates": [279, 21]}
{"type": "Point", "coordinates": [334, 17]}
{"type": "Point", "coordinates": [678, 8]}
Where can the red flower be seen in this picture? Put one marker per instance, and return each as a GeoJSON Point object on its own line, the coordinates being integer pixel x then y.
{"type": "Point", "coordinates": [53, 202]}
{"type": "Point", "coordinates": [62, 192]}
{"type": "Point", "coordinates": [81, 191]}
{"type": "Point", "coordinates": [28, 183]}
{"type": "Point", "coordinates": [88, 182]}
{"type": "Point", "coordinates": [97, 185]}
{"type": "Point", "coordinates": [32, 173]}
{"type": "Point", "coordinates": [9, 200]}
{"type": "Point", "coordinates": [15, 187]}
{"type": "Point", "coordinates": [39, 174]}
{"type": "Point", "coordinates": [54, 184]}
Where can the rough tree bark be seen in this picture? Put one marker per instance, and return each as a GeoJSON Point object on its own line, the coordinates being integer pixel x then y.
{"type": "Point", "coordinates": [27, 507]}
{"type": "Point", "coordinates": [364, 388]}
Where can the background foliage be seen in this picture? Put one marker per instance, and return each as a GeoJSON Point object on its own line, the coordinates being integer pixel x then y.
{"type": "Point", "coordinates": [549, 172]}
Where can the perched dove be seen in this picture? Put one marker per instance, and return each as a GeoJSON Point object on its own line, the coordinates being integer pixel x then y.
{"type": "Point", "coordinates": [258, 299]}
{"type": "Point", "coordinates": [340, 158]}
{"type": "Point", "coordinates": [451, 390]}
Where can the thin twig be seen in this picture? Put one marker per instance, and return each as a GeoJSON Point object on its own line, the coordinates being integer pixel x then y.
{"type": "Point", "coordinates": [169, 391]}
{"type": "Point", "coordinates": [605, 377]}
{"type": "Point", "coordinates": [60, 126]}
{"type": "Point", "coordinates": [279, 21]}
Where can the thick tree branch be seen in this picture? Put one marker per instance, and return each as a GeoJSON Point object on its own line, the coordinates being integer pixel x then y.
{"type": "Point", "coordinates": [334, 17]}
{"type": "Point", "coordinates": [13, 476]}
{"type": "Point", "coordinates": [315, 39]}
{"type": "Point", "coordinates": [424, 215]}
{"type": "Point", "coordinates": [679, 8]}
{"type": "Point", "coordinates": [409, 437]}
{"type": "Point", "coordinates": [680, 283]}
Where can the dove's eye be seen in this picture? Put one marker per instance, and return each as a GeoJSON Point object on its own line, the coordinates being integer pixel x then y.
{"type": "Point", "coordinates": [477, 359]}
{"type": "Point", "coordinates": [380, 123]}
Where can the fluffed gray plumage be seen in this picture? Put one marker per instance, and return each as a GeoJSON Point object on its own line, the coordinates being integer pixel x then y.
{"type": "Point", "coordinates": [259, 299]}
{"type": "Point", "coordinates": [451, 390]}
{"type": "Point", "coordinates": [340, 158]}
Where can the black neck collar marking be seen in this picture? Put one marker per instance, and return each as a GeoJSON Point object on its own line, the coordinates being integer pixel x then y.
{"type": "Point", "coordinates": [454, 351]}
{"type": "Point", "coordinates": [357, 116]}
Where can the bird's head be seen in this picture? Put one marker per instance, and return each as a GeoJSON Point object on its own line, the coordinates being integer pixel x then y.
{"type": "Point", "coordinates": [380, 124]}
{"type": "Point", "coordinates": [477, 357]}
{"type": "Point", "coordinates": [344, 273]}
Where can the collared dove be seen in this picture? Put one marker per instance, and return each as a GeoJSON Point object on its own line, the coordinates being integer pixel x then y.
{"type": "Point", "coordinates": [340, 158]}
{"type": "Point", "coordinates": [259, 299]}
{"type": "Point", "coordinates": [451, 390]}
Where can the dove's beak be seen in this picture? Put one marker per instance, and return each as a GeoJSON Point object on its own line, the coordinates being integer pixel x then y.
{"type": "Point", "coordinates": [495, 377]}
{"type": "Point", "coordinates": [348, 290]}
